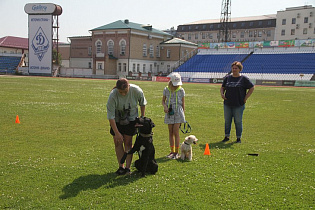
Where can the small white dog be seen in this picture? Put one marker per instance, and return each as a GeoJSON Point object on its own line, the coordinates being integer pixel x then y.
{"type": "Point", "coordinates": [186, 149]}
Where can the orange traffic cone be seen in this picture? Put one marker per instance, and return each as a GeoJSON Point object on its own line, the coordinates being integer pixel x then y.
{"type": "Point", "coordinates": [207, 150]}
{"type": "Point", "coordinates": [17, 120]}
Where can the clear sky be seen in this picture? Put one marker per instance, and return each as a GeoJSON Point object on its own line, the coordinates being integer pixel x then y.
{"type": "Point", "coordinates": [80, 16]}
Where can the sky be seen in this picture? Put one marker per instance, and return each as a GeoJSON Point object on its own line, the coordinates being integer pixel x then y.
{"type": "Point", "coordinates": [80, 16]}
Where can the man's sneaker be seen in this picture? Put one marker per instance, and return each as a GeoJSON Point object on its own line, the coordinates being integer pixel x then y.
{"type": "Point", "coordinates": [170, 156]}
{"type": "Point", "coordinates": [127, 171]}
{"type": "Point", "coordinates": [226, 139]}
{"type": "Point", "coordinates": [121, 171]}
{"type": "Point", "coordinates": [238, 140]}
{"type": "Point", "coordinates": [175, 156]}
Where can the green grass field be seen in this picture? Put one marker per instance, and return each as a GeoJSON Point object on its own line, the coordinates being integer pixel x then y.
{"type": "Point", "coordinates": [61, 155]}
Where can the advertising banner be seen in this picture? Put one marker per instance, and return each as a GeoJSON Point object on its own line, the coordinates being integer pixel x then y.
{"type": "Point", "coordinates": [286, 43]}
{"type": "Point", "coordinates": [40, 44]}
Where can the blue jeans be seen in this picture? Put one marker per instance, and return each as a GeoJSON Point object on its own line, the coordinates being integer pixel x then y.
{"type": "Point", "coordinates": [236, 113]}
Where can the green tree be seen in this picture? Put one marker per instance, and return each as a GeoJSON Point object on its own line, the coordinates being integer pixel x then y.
{"type": "Point", "coordinates": [56, 57]}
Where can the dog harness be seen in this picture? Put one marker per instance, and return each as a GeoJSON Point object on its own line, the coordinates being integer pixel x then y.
{"type": "Point", "coordinates": [146, 135]}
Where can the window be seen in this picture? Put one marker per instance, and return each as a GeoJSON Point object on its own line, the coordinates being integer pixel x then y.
{"type": "Point", "coordinates": [292, 31]}
{"type": "Point", "coordinates": [211, 26]}
{"type": "Point", "coordinates": [259, 33]}
{"type": "Point", "coordinates": [183, 28]}
{"type": "Point", "coordinates": [90, 65]}
{"type": "Point", "coordinates": [151, 51]}
{"type": "Point", "coordinates": [250, 34]}
{"type": "Point", "coordinates": [306, 20]}
{"type": "Point", "coordinates": [282, 32]}
{"type": "Point", "coordinates": [293, 20]}
{"type": "Point", "coordinates": [151, 67]}
{"type": "Point", "coordinates": [138, 68]}
{"type": "Point", "coordinates": [119, 66]}
{"type": "Point", "coordinates": [269, 22]}
{"type": "Point", "coordinates": [189, 36]}
{"type": "Point", "coordinates": [134, 68]}
{"type": "Point", "coordinates": [144, 50]}
{"type": "Point", "coordinates": [110, 45]}
{"type": "Point", "coordinates": [260, 23]}
{"type": "Point", "coordinates": [234, 35]}
{"type": "Point", "coordinates": [196, 36]}
{"type": "Point", "coordinates": [219, 25]}
{"type": "Point", "coordinates": [251, 23]}
{"type": "Point", "coordinates": [304, 30]}
{"type": "Point", "coordinates": [98, 45]}
{"type": "Point", "coordinates": [143, 69]}
{"type": "Point", "coordinates": [90, 50]}
{"type": "Point", "coordinates": [234, 25]}
{"type": "Point", "coordinates": [125, 67]}
{"type": "Point", "coordinates": [168, 53]}
{"type": "Point", "coordinates": [243, 24]}
{"type": "Point", "coordinates": [157, 51]}
{"type": "Point", "coordinates": [284, 21]}
{"type": "Point", "coordinates": [203, 26]}
{"type": "Point", "coordinates": [210, 36]}
{"type": "Point", "coordinates": [122, 45]}
{"type": "Point", "coordinates": [269, 33]}
{"type": "Point", "coordinates": [99, 66]}
{"type": "Point", "coordinates": [314, 31]}
{"type": "Point", "coordinates": [242, 34]}
{"type": "Point", "coordinates": [168, 68]}
{"type": "Point", "coordinates": [203, 35]}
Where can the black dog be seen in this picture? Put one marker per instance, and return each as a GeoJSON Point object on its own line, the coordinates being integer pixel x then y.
{"type": "Point", "coordinates": [144, 147]}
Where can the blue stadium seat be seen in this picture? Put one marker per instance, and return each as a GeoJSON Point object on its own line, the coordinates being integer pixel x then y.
{"type": "Point", "coordinates": [285, 63]}
{"type": "Point", "coordinates": [9, 64]}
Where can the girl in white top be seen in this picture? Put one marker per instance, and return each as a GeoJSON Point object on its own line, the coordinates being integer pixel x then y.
{"type": "Point", "coordinates": [174, 107]}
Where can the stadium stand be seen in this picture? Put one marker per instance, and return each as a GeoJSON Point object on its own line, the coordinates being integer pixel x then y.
{"type": "Point", "coordinates": [9, 64]}
{"type": "Point", "coordinates": [271, 65]}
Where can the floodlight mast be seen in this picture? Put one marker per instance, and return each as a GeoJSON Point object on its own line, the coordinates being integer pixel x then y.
{"type": "Point", "coordinates": [225, 21]}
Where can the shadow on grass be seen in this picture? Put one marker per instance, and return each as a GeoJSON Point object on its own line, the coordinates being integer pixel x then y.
{"type": "Point", "coordinates": [95, 181]}
{"type": "Point", "coordinates": [218, 145]}
{"type": "Point", "coordinates": [162, 159]}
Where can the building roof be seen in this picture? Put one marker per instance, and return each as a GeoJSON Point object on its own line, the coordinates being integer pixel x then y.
{"type": "Point", "coordinates": [179, 41]}
{"type": "Point", "coordinates": [14, 42]}
{"type": "Point", "coordinates": [125, 24]}
{"type": "Point", "coordinates": [237, 19]}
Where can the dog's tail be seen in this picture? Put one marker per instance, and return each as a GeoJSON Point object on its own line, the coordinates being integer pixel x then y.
{"type": "Point", "coordinates": [123, 158]}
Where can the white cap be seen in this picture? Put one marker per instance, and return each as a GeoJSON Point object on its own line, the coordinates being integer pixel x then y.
{"type": "Point", "coordinates": [176, 79]}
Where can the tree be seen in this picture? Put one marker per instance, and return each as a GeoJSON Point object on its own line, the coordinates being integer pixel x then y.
{"type": "Point", "coordinates": [56, 57]}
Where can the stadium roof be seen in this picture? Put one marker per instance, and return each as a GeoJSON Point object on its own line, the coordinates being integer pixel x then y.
{"type": "Point", "coordinates": [237, 19]}
{"type": "Point", "coordinates": [14, 42]}
{"type": "Point", "coordinates": [125, 24]}
{"type": "Point", "coordinates": [179, 41]}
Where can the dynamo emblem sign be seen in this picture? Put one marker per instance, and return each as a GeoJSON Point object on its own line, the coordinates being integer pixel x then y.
{"type": "Point", "coordinates": [40, 44]}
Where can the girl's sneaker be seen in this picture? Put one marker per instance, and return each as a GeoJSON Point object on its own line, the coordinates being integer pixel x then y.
{"type": "Point", "coordinates": [170, 156]}
{"type": "Point", "coordinates": [175, 156]}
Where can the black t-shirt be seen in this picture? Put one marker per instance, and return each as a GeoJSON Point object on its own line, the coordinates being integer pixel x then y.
{"type": "Point", "coordinates": [235, 89]}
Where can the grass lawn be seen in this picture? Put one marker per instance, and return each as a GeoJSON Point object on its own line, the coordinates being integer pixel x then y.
{"type": "Point", "coordinates": [62, 156]}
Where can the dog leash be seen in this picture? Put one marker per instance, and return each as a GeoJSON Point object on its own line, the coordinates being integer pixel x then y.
{"type": "Point", "coordinates": [187, 128]}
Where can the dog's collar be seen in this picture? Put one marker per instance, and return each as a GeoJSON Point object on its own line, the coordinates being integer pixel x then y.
{"type": "Point", "coordinates": [186, 143]}
{"type": "Point", "coordinates": [146, 135]}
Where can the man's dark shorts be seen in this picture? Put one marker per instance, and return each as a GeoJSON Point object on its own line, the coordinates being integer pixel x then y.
{"type": "Point", "coordinates": [129, 130]}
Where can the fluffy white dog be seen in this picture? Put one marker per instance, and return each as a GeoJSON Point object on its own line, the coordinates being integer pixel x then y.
{"type": "Point", "coordinates": [186, 149]}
